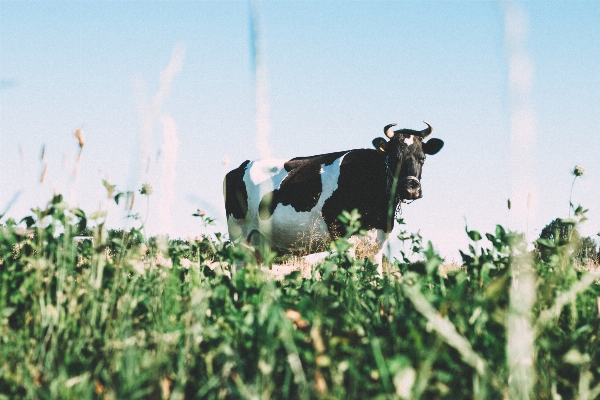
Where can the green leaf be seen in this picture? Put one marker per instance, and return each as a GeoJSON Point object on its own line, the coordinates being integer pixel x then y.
{"type": "Point", "coordinates": [467, 259]}
{"type": "Point", "coordinates": [61, 206]}
{"type": "Point", "coordinates": [433, 260]}
{"type": "Point", "coordinates": [568, 221]}
{"type": "Point", "coordinates": [474, 235]}
{"type": "Point", "coordinates": [580, 211]}
{"type": "Point", "coordinates": [574, 357]}
{"type": "Point", "coordinates": [546, 243]}
{"type": "Point", "coordinates": [78, 212]}
{"type": "Point", "coordinates": [8, 311]}
{"type": "Point", "coordinates": [97, 215]}
{"type": "Point", "coordinates": [500, 232]}
{"type": "Point", "coordinates": [29, 221]}
{"type": "Point", "coordinates": [57, 199]}
{"type": "Point", "coordinates": [495, 288]}
{"type": "Point", "coordinates": [472, 250]}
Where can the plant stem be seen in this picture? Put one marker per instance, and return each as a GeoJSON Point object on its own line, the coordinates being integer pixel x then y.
{"type": "Point", "coordinates": [571, 196]}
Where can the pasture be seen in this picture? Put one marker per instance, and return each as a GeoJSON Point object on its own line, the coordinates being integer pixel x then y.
{"type": "Point", "coordinates": [88, 311]}
{"type": "Point", "coordinates": [125, 316]}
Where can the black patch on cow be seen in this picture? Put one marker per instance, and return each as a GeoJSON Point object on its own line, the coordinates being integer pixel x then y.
{"type": "Point", "coordinates": [301, 188]}
{"type": "Point", "coordinates": [361, 186]}
{"type": "Point", "coordinates": [236, 196]}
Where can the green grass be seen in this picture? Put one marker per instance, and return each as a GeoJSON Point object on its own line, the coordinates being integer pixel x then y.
{"type": "Point", "coordinates": [114, 319]}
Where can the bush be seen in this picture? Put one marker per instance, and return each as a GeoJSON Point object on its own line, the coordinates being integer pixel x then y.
{"type": "Point", "coordinates": [562, 232]}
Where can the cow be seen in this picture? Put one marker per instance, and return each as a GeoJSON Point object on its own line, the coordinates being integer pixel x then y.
{"type": "Point", "coordinates": [293, 205]}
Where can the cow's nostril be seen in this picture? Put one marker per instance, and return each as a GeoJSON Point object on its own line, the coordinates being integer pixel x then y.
{"type": "Point", "coordinates": [412, 184]}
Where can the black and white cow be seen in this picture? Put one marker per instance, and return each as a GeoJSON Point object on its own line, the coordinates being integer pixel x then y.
{"type": "Point", "coordinates": [294, 204]}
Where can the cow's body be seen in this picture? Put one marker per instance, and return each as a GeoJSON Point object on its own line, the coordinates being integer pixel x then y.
{"type": "Point", "coordinates": [294, 204]}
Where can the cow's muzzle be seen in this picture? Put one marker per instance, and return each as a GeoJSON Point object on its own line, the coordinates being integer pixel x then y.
{"type": "Point", "coordinates": [410, 188]}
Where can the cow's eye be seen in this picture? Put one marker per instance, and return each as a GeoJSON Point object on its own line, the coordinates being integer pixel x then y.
{"type": "Point", "coordinates": [422, 160]}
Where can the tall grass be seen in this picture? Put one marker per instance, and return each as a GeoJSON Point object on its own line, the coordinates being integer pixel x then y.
{"type": "Point", "coordinates": [114, 317]}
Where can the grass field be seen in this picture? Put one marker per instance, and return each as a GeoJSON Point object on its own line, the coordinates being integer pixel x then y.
{"type": "Point", "coordinates": [122, 316]}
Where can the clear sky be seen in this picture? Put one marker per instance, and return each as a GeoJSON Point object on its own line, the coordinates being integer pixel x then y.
{"type": "Point", "coordinates": [171, 83]}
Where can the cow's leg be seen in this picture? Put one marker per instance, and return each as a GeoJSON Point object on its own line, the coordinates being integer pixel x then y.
{"type": "Point", "coordinates": [376, 237]}
{"type": "Point", "coordinates": [382, 245]}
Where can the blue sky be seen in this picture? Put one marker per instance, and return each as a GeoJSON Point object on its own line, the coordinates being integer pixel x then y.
{"type": "Point", "coordinates": [337, 73]}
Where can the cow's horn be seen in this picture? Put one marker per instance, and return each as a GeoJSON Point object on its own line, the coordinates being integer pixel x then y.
{"type": "Point", "coordinates": [427, 131]}
{"type": "Point", "coordinates": [388, 131]}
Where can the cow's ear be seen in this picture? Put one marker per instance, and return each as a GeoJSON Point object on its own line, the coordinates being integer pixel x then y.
{"type": "Point", "coordinates": [432, 146]}
{"type": "Point", "coordinates": [380, 144]}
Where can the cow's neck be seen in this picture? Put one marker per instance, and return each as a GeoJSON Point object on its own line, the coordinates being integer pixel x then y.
{"type": "Point", "coordinates": [391, 184]}
{"type": "Point", "coordinates": [390, 172]}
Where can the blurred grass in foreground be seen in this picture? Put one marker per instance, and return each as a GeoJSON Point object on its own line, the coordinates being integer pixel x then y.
{"type": "Point", "coordinates": [121, 316]}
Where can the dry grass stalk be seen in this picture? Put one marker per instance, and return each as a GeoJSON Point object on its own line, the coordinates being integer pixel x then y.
{"type": "Point", "coordinates": [567, 297]}
{"type": "Point", "coordinates": [520, 334]}
{"type": "Point", "coordinates": [45, 163]}
{"type": "Point", "coordinates": [451, 266]}
{"type": "Point", "coordinates": [446, 330]}
{"type": "Point", "coordinates": [294, 263]}
{"type": "Point", "coordinates": [79, 136]}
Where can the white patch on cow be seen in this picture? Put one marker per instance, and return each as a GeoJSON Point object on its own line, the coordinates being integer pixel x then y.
{"type": "Point", "coordinates": [261, 171]}
{"type": "Point", "coordinates": [329, 180]}
{"type": "Point", "coordinates": [260, 178]}
{"type": "Point", "coordinates": [409, 140]}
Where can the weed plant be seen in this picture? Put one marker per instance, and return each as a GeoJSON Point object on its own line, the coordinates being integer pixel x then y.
{"type": "Point", "coordinates": [125, 317]}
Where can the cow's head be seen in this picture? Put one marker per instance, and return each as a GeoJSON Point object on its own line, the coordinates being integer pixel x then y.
{"type": "Point", "coordinates": [405, 154]}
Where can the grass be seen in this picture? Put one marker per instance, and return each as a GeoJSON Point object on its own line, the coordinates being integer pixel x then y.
{"type": "Point", "coordinates": [124, 316]}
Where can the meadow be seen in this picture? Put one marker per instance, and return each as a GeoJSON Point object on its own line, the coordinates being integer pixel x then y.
{"type": "Point", "coordinates": [88, 312]}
